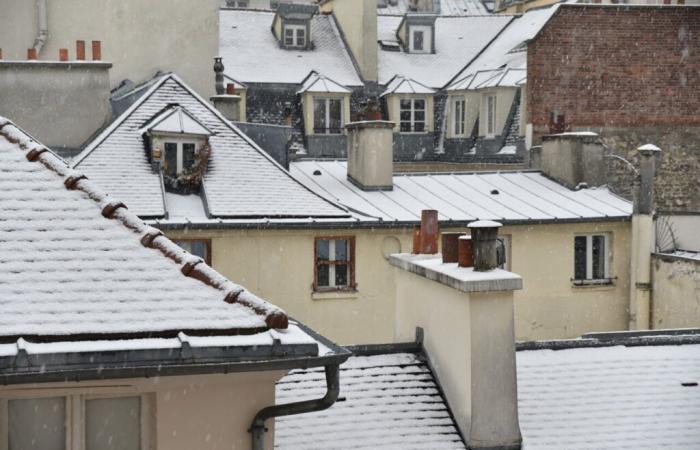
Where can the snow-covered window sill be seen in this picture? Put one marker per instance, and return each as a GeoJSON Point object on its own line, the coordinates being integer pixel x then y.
{"type": "Point", "coordinates": [602, 282]}
{"type": "Point", "coordinates": [335, 295]}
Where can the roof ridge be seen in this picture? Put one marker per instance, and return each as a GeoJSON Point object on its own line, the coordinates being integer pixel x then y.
{"type": "Point", "coordinates": [191, 266]}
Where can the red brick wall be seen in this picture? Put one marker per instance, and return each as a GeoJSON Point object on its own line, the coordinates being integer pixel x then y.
{"type": "Point", "coordinates": [620, 66]}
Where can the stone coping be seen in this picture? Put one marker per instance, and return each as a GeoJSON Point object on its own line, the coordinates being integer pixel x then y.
{"type": "Point", "coordinates": [63, 64]}
{"type": "Point", "coordinates": [370, 124]}
{"type": "Point", "coordinates": [463, 279]}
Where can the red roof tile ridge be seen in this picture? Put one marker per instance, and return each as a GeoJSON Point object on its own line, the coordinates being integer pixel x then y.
{"type": "Point", "coordinates": [191, 266]}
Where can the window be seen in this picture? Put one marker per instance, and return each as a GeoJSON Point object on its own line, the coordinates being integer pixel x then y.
{"type": "Point", "coordinates": [198, 247]}
{"type": "Point", "coordinates": [460, 105]}
{"type": "Point", "coordinates": [179, 156]}
{"type": "Point", "coordinates": [295, 36]}
{"type": "Point", "coordinates": [420, 39]}
{"type": "Point", "coordinates": [328, 115]}
{"type": "Point", "coordinates": [491, 115]}
{"type": "Point", "coordinates": [75, 422]}
{"type": "Point", "coordinates": [412, 118]}
{"type": "Point", "coordinates": [591, 258]}
{"type": "Point", "coordinates": [334, 266]}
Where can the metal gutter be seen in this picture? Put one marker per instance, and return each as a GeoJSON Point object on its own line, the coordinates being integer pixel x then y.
{"type": "Point", "coordinates": [669, 338]}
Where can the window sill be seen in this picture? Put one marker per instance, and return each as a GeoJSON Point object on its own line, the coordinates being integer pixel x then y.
{"type": "Point", "coordinates": [335, 295]}
{"type": "Point", "coordinates": [601, 283]}
{"type": "Point", "coordinates": [415, 132]}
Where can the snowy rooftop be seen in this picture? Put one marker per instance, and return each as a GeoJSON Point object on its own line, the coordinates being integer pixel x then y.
{"type": "Point", "coordinates": [242, 180]}
{"type": "Point", "coordinates": [75, 262]}
{"type": "Point", "coordinates": [385, 402]}
{"type": "Point", "coordinates": [503, 196]}
{"type": "Point", "coordinates": [458, 40]}
{"type": "Point", "coordinates": [403, 85]}
{"type": "Point", "coordinates": [252, 54]}
{"type": "Point", "coordinates": [319, 83]}
{"type": "Point", "coordinates": [446, 7]}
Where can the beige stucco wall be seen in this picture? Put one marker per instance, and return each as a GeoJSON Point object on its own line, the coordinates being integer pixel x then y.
{"type": "Point", "coordinates": [504, 101]}
{"type": "Point", "coordinates": [138, 37]}
{"type": "Point", "coordinates": [204, 412]}
{"type": "Point", "coordinates": [278, 265]}
{"type": "Point", "coordinates": [393, 102]}
{"type": "Point", "coordinates": [676, 292]}
{"type": "Point", "coordinates": [307, 102]}
{"type": "Point", "coordinates": [357, 20]}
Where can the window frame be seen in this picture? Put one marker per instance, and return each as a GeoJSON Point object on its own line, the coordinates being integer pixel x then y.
{"type": "Point", "coordinates": [295, 35]}
{"type": "Point", "coordinates": [459, 121]}
{"type": "Point", "coordinates": [427, 31]}
{"type": "Point", "coordinates": [206, 241]}
{"type": "Point", "coordinates": [179, 143]}
{"type": "Point", "coordinates": [607, 261]}
{"type": "Point", "coordinates": [491, 108]}
{"type": "Point", "coordinates": [76, 412]}
{"type": "Point", "coordinates": [327, 116]}
{"type": "Point", "coordinates": [412, 121]}
{"type": "Point", "coordinates": [352, 285]}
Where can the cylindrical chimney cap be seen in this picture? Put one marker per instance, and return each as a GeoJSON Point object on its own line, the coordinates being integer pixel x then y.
{"type": "Point", "coordinates": [485, 224]}
{"type": "Point", "coordinates": [648, 150]}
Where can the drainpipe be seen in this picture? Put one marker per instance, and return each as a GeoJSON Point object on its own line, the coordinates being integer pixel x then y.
{"type": "Point", "coordinates": [42, 20]}
{"type": "Point", "coordinates": [257, 429]}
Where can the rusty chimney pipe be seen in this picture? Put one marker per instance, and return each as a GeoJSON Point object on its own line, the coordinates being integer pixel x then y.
{"type": "Point", "coordinates": [429, 232]}
{"type": "Point", "coordinates": [230, 89]}
{"type": "Point", "coordinates": [31, 54]}
{"type": "Point", "coordinates": [80, 50]}
{"type": "Point", "coordinates": [465, 256]}
{"type": "Point", "coordinates": [449, 247]}
{"type": "Point", "coordinates": [416, 239]}
{"type": "Point", "coordinates": [485, 242]}
{"type": "Point", "coordinates": [219, 76]}
{"type": "Point", "coordinates": [97, 50]}
{"type": "Point", "coordinates": [63, 54]}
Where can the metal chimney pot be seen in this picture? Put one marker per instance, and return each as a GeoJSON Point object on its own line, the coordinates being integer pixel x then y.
{"type": "Point", "coordinates": [485, 242]}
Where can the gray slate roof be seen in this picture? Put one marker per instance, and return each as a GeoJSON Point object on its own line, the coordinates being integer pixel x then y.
{"type": "Point", "coordinates": [386, 402]}
{"type": "Point", "coordinates": [502, 196]}
{"type": "Point", "coordinates": [252, 54]}
{"type": "Point", "coordinates": [241, 181]}
{"type": "Point", "coordinates": [446, 7]}
{"type": "Point", "coordinates": [458, 40]}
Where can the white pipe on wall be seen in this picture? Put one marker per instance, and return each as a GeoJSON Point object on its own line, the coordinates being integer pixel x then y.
{"type": "Point", "coordinates": [43, 25]}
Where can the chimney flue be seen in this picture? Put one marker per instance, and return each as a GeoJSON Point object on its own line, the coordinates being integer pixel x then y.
{"type": "Point", "coordinates": [97, 50]}
{"type": "Point", "coordinates": [371, 155]}
{"type": "Point", "coordinates": [485, 242]}
{"type": "Point", "coordinates": [644, 197]}
{"type": "Point", "coordinates": [63, 54]}
{"type": "Point", "coordinates": [429, 232]}
{"type": "Point", "coordinates": [31, 54]}
{"type": "Point", "coordinates": [80, 50]}
{"type": "Point", "coordinates": [219, 76]}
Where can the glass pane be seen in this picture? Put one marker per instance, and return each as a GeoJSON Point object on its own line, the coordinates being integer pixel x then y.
{"type": "Point", "coordinates": [113, 424]}
{"type": "Point", "coordinates": [170, 158]}
{"type": "Point", "coordinates": [419, 105]}
{"type": "Point", "coordinates": [580, 257]}
{"type": "Point", "coordinates": [406, 126]}
{"type": "Point", "coordinates": [419, 116]}
{"type": "Point", "coordinates": [301, 37]}
{"type": "Point", "coordinates": [197, 248]}
{"type": "Point", "coordinates": [185, 245]}
{"type": "Point", "coordinates": [288, 36]}
{"type": "Point", "coordinates": [341, 250]}
{"type": "Point", "coordinates": [322, 249]}
{"type": "Point", "coordinates": [335, 112]}
{"type": "Point", "coordinates": [405, 106]}
{"type": "Point", "coordinates": [598, 257]}
{"type": "Point", "coordinates": [320, 115]}
{"type": "Point", "coordinates": [417, 40]}
{"type": "Point", "coordinates": [341, 274]}
{"type": "Point", "coordinates": [37, 424]}
{"type": "Point", "coordinates": [322, 275]}
{"type": "Point", "coordinates": [419, 127]}
{"type": "Point", "coordinates": [187, 156]}
{"type": "Point", "coordinates": [406, 116]}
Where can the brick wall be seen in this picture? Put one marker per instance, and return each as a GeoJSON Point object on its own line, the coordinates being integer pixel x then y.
{"type": "Point", "coordinates": [631, 73]}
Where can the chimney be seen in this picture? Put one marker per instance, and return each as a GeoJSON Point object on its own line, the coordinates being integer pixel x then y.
{"type": "Point", "coordinates": [63, 54]}
{"type": "Point", "coordinates": [485, 243]}
{"type": "Point", "coordinates": [97, 50]}
{"type": "Point", "coordinates": [644, 195]}
{"type": "Point", "coordinates": [31, 54]}
{"type": "Point", "coordinates": [225, 100]}
{"type": "Point", "coordinates": [361, 35]}
{"type": "Point", "coordinates": [429, 230]}
{"type": "Point", "coordinates": [573, 159]}
{"type": "Point", "coordinates": [219, 75]}
{"type": "Point", "coordinates": [450, 247]}
{"type": "Point", "coordinates": [371, 155]}
{"type": "Point", "coordinates": [465, 257]}
{"type": "Point", "coordinates": [80, 50]}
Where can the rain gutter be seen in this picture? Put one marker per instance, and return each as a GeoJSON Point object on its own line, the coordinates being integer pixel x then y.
{"type": "Point", "coordinates": [43, 24]}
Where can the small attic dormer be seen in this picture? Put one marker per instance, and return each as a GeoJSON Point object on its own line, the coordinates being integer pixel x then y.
{"type": "Point", "coordinates": [292, 25]}
{"type": "Point", "coordinates": [177, 145]}
{"type": "Point", "coordinates": [416, 33]}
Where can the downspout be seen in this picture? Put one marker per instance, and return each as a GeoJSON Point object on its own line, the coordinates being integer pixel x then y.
{"type": "Point", "coordinates": [43, 22]}
{"type": "Point", "coordinates": [257, 428]}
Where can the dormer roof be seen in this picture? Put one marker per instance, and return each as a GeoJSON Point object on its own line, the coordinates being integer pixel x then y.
{"type": "Point", "coordinates": [318, 83]}
{"type": "Point", "coordinates": [296, 11]}
{"type": "Point", "coordinates": [175, 119]}
{"type": "Point", "coordinates": [402, 85]}
{"type": "Point", "coordinates": [504, 77]}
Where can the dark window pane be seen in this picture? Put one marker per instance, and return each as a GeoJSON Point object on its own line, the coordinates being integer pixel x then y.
{"type": "Point", "coordinates": [322, 274]}
{"type": "Point", "coordinates": [406, 116]}
{"type": "Point", "coordinates": [405, 105]}
{"type": "Point", "coordinates": [419, 104]}
{"type": "Point", "coordinates": [288, 36]}
{"type": "Point", "coordinates": [320, 115]}
{"type": "Point", "coordinates": [341, 250]}
{"type": "Point", "coordinates": [301, 37]}
{"type": "Point", "coordinates": [598, 257]}
{"type": "Point", "coordinates": [580, 257]}
{"type": "Point", "coordinates": [170, 158]}
{"type": "Point", "coordinates": [187, 156]}
{"type": "Point", "coordinates": [322, 249]}
{"type": "Point", "coordinates": [417, 40]}
{"type": "Point", "coordinates": [341, 274]}
{"type": "Point", "coordinates": [419, 116]}
{"type": "Point", "coordinates": [335, 111]}
{"type": "Point", "coordinates": [419, 127]}
{"type": "Point", "coordinates": [406, 126]}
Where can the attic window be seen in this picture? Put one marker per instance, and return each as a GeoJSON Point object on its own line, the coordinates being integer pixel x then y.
{"type": "Point", "coordinates": [421, 39]}
{"type": "Point", "coordinates": [295, 36]}
{"type": "Point", "coordinates": [179, 157]}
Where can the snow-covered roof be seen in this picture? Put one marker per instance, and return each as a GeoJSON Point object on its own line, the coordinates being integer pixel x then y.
{"type": "Point", "coordinates": [242, 180]}
{"type": "Point", "coordinates": [502, 196]}
{"type": "Point", "coordinates": [386, 402]}
{"type": "Point", "coordinates": [610, 398]}
{"type": "Point", "coordinates": [507, 77]}
{"type": "Point", "coordinates": [508, 50]}
{"type": "Point", "coordinates": [75, 261]}
{"type": "Point", "coordinates": [318, 83]}
{"type": "Point", "coordinates": [402, 85]}
{"type": "Point", "coordinates": [458, 40]}
{"type": "Point", "coordinates": [177, 120]}
{"type": "Point", "coordinates": [252, 54]}
{"type": "Point", "coordinates": [446, 7]}
{"type": "Point", "coordinates": [237, 85]}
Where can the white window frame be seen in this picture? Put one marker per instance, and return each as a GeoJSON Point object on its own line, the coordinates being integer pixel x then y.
{"type": "Point", "coordinates": [350, 263]}
{"type": "Point", "coordinates": [75, 413]}
{"type": "Point", "coordinates": [413, 115]}
{"type": "Point", "coordinates": [427, 38]}
{"type": "Point", "coordinates": [459, 116]}
{"type": "Point", "coordinates": [491, 107]}
{"type": "Point", "coordinates": [607, 251]}
{"type": "Point", "coordinates": [180, 158]}
{"type": "Point", "coordinates": [327, 118]}
{"type": "Point", "coordinates": [295, 35]}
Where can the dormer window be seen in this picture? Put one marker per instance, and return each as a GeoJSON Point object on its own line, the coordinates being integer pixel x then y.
{"type": "Point", "coordinates": [420, 40]}
{"type": "Point", "coordinates": [416, 33]}
{"type": "Point", "coordinates": [295, 36]}
{"type": "Point", "coordinates": [179, 157]}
